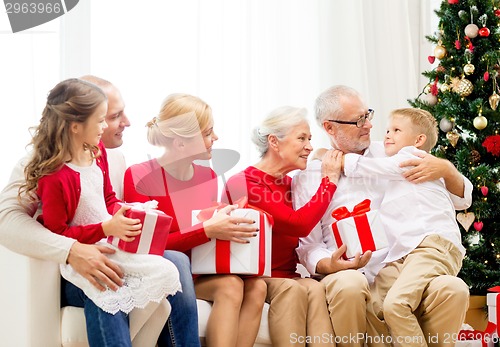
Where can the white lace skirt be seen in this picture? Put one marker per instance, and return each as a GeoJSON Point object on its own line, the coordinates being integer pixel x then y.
{"type": "Point", "coordinates": [147, 278]}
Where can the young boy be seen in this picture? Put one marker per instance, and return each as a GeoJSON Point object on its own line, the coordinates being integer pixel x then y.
{"type": "Point", "coordinates": [419, 220]}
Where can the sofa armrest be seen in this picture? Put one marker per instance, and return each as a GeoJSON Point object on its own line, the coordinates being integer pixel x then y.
{"type": "Point", "coordinates": [30, 301]}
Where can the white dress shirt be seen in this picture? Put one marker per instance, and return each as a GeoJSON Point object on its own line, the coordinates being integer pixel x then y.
{"type": "Point", "coordinates": [409, 212]}
{"type": "Point", "coordinates": [350, 191]}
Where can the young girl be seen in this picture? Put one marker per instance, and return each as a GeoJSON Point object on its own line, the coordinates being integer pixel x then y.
{"type": "Point", "coordinates": [68, 173]}
{"type": "Point", "coordinates": [184, 129]}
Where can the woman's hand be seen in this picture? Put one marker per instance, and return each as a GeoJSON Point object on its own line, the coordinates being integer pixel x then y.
{"type": "Point", "coordinates": [224, 227]}
{"type": "Point", "coordinates": [332, 164]}
{"type": "Point", "coordinates": [122, 227]}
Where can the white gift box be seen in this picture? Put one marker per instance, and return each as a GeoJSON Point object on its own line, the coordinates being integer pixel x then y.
{"type": "Point", "coordinates": [492, 302]}
{"type": "Point", "coordinates": [218, 256]}
{"type": "Point", "coordinates": [360, 233]}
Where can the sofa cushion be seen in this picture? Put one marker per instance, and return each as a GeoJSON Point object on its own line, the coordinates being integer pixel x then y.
{"type": "Point", "coordinates": [204, 308]}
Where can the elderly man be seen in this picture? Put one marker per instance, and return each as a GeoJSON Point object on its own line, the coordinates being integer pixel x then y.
{"type": "Point", "coordinates": [355, 298]}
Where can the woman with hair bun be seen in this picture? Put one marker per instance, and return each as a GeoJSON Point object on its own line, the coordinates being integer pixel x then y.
{"type": "Point", "coordinates": [184, 128]}
{"type": "Point", "coordinates": [297, 305]}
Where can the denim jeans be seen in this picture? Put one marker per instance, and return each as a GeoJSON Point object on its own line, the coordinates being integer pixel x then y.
{"type": "Point", "coordinates": [107, 330]}
{"type": "Point", "coordinates": [103, 329]}
{"type": "Point", "coordinates": [181, 329]}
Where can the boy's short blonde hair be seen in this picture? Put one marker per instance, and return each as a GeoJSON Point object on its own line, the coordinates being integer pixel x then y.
{"type": "Point", "coordinates": [424, 123]}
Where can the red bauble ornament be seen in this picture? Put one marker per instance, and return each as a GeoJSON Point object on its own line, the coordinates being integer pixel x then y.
{"type": "Point", "coordinates": [484, 32]}
{"type": "Point", "coordinates": [431, 59]}
{"type": "Point", "coordinates": [453, 2]}
{"type": "Point", "coordinates": [486, 76]}
{"type": "Point", "coordinates": [478, 226]}
{"type": "Point", "coordinates": [458, 45]}
{"type": "Point", "coordinates": [497, 13]}
{"type": "Point", "coordinates": [484, 190]}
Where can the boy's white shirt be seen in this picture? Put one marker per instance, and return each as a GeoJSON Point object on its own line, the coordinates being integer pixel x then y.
{"type": "Point", "coordinates": [21, 233]}
{"type": "Point", "coordinates": [350, 191]}
{"type": "Point", "coordinates": [408, 211]}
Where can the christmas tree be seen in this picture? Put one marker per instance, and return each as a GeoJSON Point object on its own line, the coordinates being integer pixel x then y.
{"type": "Point", "coordinates": [463, 94]}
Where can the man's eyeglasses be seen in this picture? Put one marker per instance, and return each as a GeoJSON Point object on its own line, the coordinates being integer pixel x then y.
{"type": "Point", "coordinates": [360, 122]}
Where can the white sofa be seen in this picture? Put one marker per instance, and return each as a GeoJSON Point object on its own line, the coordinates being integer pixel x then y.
{"type": "Point", "coordinates": [30, 313]}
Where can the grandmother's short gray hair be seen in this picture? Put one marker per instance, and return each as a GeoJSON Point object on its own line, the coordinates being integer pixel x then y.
{"type": "Point", "coordinates": [278, 122]}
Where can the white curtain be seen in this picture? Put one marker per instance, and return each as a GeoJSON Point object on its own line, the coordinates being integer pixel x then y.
{"type": "Point", "coordinates": [244, 57]}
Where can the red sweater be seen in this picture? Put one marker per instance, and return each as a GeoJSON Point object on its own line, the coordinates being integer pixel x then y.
{"type": "Point", "coordinates": [274, 196]}
{"type": "Point", "coordinates": [149, 181]}
{"type": "Point", "coordinates": [60, 194]}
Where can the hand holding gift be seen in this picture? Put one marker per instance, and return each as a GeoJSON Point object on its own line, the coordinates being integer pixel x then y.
{"type": "Point", "coordinates": [155, 224]}
{"type": "Point", "coordinates": [223, 226]}
{"type": "Point", "coordinates": [121, 226]}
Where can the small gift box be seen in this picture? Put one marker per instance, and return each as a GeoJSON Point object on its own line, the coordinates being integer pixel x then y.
{"type": "Point", "coordinates": [226, 257]}
{"type": "Point", "coordinates": [155, 229]}
{"type": "Point", "coordinates": [360, 230]}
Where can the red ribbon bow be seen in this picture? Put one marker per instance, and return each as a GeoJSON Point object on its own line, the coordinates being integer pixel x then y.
{"type": "Point", "coordinates": [342, 212]}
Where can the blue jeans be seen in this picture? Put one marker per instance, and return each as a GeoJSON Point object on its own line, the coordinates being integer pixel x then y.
{"type": "Point", "coordinates": [107, 330]}
{"type": "Point", "coordinates": [103, 329]}
{"type": "Point", "coordinates": [181, 329]}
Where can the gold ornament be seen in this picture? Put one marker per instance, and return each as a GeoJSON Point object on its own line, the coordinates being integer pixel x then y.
{"type": "Point", "coordinates": [466, 219]}
{"type": "Point", "coordinates": [444, 88]}
{"type": "Point", "coordinates": [469, 69]}
{"type": "Point", "coordinates": [494, 99]}
{"type": "Point", "coordinates": [464, 87]}
{"type": "Point", "coordinates": [480, 122]}
{"type": "Point", "coordinates": [440, 52]}
{"type": "Point", "coordinates": [452, 136]}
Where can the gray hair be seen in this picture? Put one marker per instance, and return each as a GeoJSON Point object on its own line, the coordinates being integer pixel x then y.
{"type": "Point", "coordinates": [328, 103]}
{"type": "Point", "coordinates": [278, 122]}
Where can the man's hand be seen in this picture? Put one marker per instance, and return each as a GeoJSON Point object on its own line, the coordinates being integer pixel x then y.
{"type": "Point", "coordinates": [430, 168]}
{"type": "Point", "coordinates": [90, 262]}
{"type": "Point", "coordinates": [336, 263]}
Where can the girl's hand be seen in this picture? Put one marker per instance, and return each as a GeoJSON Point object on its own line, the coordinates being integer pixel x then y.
{"type": "Point", "coordinates": [122, 227]}
{"type": "Point", "coordinates": [224, 227]}
{"type": "Point", "coordinates": [332, 164]}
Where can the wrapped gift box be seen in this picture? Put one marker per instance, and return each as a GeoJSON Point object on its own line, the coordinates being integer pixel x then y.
{"type": "Point", "coordinates": [227, 257]}
{"type": "Point", "coordinates": [493, 301]}
{"type": "Point", "coordinates": [360, 230]}
{"type": "Point", "coordinates": [155, 229]}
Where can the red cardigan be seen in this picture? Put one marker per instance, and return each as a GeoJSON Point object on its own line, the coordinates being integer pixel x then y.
{"type": "Point", "coordinates": [274, 195]}
{"type": "Point", "coordinates": [149, 181]}
{"type": "Point", "coordinates": [60, 194]}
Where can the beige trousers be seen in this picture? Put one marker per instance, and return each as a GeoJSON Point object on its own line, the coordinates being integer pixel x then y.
{"type": "Point", "coordinates": [347, 293]}
{"type": "Point", "coordinates": [417, 300]}
{"type": "Point", "coordinates": [298, 315]}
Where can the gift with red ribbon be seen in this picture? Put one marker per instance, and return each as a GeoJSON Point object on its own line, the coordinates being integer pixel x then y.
{"type": "Point", "coordinates": [360, 230]}
{"type": "Point", "coordinates": [155, 229]}
{"type": "Point", "coordinates": [491, 334]}
{"type": "Point", "coordinates": [227, 257]}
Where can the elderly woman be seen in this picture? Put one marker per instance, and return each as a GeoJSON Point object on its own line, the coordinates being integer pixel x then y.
{"type": "Point", "coordinates": [297, 305]}
{"type": "Point", "coordinates": [184, 128]}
